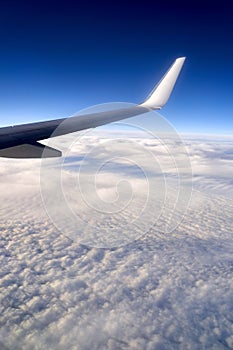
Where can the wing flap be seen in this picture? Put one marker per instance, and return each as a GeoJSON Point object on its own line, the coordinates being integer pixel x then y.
{"type": "Point", "coordinates": [36, 150]}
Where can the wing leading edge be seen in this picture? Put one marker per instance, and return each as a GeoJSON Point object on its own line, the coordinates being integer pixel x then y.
{"type": "Point", "coordinates": [20, 141]}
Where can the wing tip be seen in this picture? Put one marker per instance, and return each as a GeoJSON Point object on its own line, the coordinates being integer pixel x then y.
{"type": "Point", "coordinates": [162, 91]}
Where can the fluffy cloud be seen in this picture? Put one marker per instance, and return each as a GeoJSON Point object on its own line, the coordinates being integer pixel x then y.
{"type": "Point", "coordinates": [159, 291]}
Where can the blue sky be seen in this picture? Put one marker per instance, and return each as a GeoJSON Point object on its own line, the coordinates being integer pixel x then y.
{"type": "Point", "coordinates": [59, 57]}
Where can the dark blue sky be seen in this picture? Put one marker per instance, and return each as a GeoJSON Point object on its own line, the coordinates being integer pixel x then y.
{"type": "Point", "coordinates": [59, 57]}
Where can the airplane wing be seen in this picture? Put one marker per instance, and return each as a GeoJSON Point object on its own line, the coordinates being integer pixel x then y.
{"type": "Point", "coordinates": [21, 141]}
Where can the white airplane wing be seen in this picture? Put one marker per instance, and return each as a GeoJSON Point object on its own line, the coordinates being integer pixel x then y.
{"type": "Point", "coordinates": [21, 141]}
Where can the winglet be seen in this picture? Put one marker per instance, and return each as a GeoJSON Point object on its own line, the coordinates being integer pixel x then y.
{"type": "Point", "coordinates": [162, 91]}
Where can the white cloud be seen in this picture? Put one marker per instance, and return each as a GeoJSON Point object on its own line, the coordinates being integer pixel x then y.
{"type": "Point", "coordinates": [161, 291]}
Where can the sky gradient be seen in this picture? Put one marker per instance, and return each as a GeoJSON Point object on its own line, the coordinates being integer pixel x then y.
{"type": "Point", "coordinates": [59, 57]}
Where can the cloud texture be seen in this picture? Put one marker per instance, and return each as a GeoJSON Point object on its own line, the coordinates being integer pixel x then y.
{"type": "Point", "coordinates": [161, 291]}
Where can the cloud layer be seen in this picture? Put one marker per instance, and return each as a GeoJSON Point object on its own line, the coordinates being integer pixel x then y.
{"type": "Point", "coordinates": [161, 291]}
